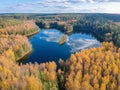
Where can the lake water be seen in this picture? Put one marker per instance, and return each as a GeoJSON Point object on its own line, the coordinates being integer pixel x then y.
{"type": "Point", "coordinates": [46, 48]}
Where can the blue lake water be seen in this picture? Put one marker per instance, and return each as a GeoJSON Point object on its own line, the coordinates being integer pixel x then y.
{"type": "Point", "coordinates": [46, 48]}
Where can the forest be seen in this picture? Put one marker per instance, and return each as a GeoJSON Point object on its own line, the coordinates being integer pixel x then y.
{"type": "Point", "coordinates": [90, 69]}
{"type": "Point", "coordinates": [12, 32]}
{"type": "Point", "coordinates": [93, 69]}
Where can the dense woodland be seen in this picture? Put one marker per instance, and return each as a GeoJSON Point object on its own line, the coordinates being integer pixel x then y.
{"type": "Point", "coordinates": [90, 69]}
{"type": "Point", "coordinates": [27, 77]}
{"type": "Point", "coordinates": [25, 27]}
{"type": "Point", "coordinates": [13, 41]}
{"type": "Point", "coordinates": [14, 47]}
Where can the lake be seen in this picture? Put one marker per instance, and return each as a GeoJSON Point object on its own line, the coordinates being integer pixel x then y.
{"type": "Point", "coordinates": [46, 48]}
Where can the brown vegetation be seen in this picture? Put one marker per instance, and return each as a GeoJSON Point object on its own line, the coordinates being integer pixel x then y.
{"type": "Point", "coordinates": [12, 44]}
{"type": "Point", "coordinates": [14, 47]}
{"type": "Point", "coordinates": [62, 40]}
{"type": "Point", "coordinates": [93, 69]}
{"type": "Point", "coordinates": [27, 28]}
{"type": "Point", "coordinates": [27, 77]}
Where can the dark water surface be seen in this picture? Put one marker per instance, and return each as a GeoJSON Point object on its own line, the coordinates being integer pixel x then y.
{"type": "Point", "coordinates": [46, 48]}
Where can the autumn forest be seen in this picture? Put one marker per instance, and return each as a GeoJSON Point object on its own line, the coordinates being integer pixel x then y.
{"type": "Point", "coordinates": [90, 69]}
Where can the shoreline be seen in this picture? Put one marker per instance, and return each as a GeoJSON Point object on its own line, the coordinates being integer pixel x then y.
{"type": "Point", "coordinates": [29, 51]}
{"type": "Point", "coordinates": [29, 35]}
{"type": "Point", "coordinates": [24, 55]}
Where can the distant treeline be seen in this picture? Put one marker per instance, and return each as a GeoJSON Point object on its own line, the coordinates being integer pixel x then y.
{"type": "Point", "coordinates": [102, 27]}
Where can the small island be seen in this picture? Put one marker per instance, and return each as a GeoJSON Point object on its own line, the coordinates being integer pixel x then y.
{"type": "Point", "coordinates": [62, 40]}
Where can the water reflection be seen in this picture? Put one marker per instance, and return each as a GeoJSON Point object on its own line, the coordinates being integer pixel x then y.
{"type": "Point", "coordinates": [46, 48]}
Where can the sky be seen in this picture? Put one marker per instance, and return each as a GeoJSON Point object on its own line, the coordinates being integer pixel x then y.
{"type": "Point", "coordinates": [60, 6]}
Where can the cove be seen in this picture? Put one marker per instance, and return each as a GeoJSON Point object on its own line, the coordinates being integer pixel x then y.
{"type": "Point", "coordinates": [46, 48]}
